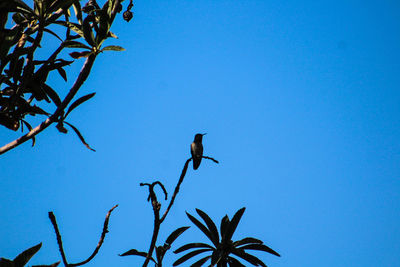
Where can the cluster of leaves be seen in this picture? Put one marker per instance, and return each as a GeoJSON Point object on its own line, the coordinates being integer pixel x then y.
{"type": "Point", "coordinates": [160, 250]}
{"type": "Point", "coordinates": [23, 258]}
{"type": "Point", "coordinates": [23, 77]}
{"type": "Point", "coordinates": [222, 249]}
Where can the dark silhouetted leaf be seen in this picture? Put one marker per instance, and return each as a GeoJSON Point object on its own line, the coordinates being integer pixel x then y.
{"type": "Point", "coordinates": [188, 256]}
{"type": "Point", "coordinates": [134, 252]}
{"type": "Point", "coordinates": [160, 252]}
{"type": "Point", "coordinates": [62, 72]}
{"type": "Point", "coordinates": [175, 234]}
{"type": "Point", "coordinates": [29, 129]}
{"type": "Point", "coordinates": [53, 33]}
{"type": "Point", "coordinates": [193, 245]}
{"type": "Point", "coordinates": [51, 265]}
{"type": "Point", "coordinates": [249, 258]}
{"type": "Point", "coordinates": [113, 48]}
{"type": "Point", "coordinates": [75, 44]}
{"type": "Point", "coordinates": [87, 31]}
{"type": "Point", "coordinates": [234, 262]}
{"type": "Point", "coordinates": [200, 262]}
{"type": "Point", "coordinates": [260, 247]}
{"type": "Point", "coordinates": [211, 226]}
{"type": "Point", "coordinates": [6, 263]}
{"type": "Point", "coordinates": [52, 94]}
{"type": "Point", "coordinates": [224, 226]}
{"type": "Point", "coordinates": [247, 240]}
{"type": "Point", "coordinates": [78, 102]}
{"type": "Point", "coordinates": [79, 135]}
{"type": "Point", "coordinates": [201, 226]}
{"type": "Point", "coordinates": [78, 11]}
{"type": "Point", "coordinates": [72, 26]}
{"type": "Point", "coordinates": [25, 256]}
{"type": "Point", "coordinates": [104, 26]}
{"type": "Point", "coordinates": [77, 55]}
{"type": "Point", "coordinates": [234, 223]}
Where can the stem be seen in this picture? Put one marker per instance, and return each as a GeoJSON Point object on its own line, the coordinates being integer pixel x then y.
{"type": "Point", "coordinates": [85, 71]}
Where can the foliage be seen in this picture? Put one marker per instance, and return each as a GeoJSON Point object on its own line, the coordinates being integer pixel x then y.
{"type": "Point", "coordinates": [222, 249]}
{"type": "Point", "coordinates": [24, 88]}
{"type": "Point", "coordinates": [23, 258]}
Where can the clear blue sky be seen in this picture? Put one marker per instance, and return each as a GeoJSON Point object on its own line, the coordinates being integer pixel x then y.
{"type": "Point", "coordinates": [301, 103]}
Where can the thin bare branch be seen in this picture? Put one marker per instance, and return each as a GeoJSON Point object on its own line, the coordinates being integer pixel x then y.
{"type": "Point", "coordinates": [103, 235]}
{"type": "Point", "coordinates": [59, 241]}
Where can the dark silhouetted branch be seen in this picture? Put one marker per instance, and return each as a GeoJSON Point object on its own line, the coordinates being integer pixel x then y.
{"type": "Point", "coordinates": [96, 250]}
{"type": "Point", "coordinates": [59, 241]}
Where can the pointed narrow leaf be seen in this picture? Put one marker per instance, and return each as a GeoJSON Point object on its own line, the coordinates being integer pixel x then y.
{"type": "Point", "coordinates": [87, 31]}
{"type": "Point", "coordinates": [113, 48]}
{"type": "Point", "coordinates": [234, 223]}
{"type": "Point", "coordinates": [25, 256]}
{"type": "Point", "coordinates": [79, 135]}
{"type": "Point", "coordinates": [201, 226]}
{"type": "Point", "coordinates": [260, 247]}
{"type": "Point", "coordinates": [174, 235]}
{"type": "Point", "coordinates": [29, 129]}
{"type": "Point", "coordinates": [72, 26]}
{"type": "Point", "coordinates": [78, 11]}
{"type": "Point", "coordinates": [200, 262]}
{"type": "Point", "coordinates": [53, 33]}
{"type": "Point", "coordinates": [63, 74]}
{"type": "Point", "coordinates": [77, 55]}
{"type": "Point", "coordinates": [51, 265]}
{"type": "Point", "coordinates": [247, 257]}
{"type": "Point", "coordinates": [224, 226]}
{"type": "Point", "coordinates": [52, 94]}
{"type": "Point", "coordinates": [78, 102]}
{"type": "Point", "coordinates": [234, 262]}
{"type": "Point", "coordinates": [193, 245]}
{"type": "Point", "coordinates": [247, 240]}
{"type": "Point", "coordinates": [75, 44]}
{"type": "Point", "coordinates": [211, 226]}
{"type": "Point", "coordinates": [188, 256]}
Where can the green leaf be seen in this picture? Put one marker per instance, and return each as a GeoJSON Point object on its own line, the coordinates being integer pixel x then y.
{"type": "Point", "coordinates": [200, 226]}
{"type": "Point", "coordinates": [78, 11]}
{"type": "Point", "coordinates": [193, 245]}
{"type": "Point", "coordinates": [211, 226]}
{"type": "Point", "coordinates": [78, 55]}
{"type": "Point", "coordinates": [25, 256]}
{"type": "Point", "coordinates": [87, 31]}
{"type": "Point", "coordinates": [72, 26]}
{"type": "Point", "coordinates": [113, 48]}
{"type": "Point", "coordinates": [104, 26]}
{"type": "Point", "coordinates": [260, 247]}
{"type": "Point", "coordinates": [234, 223]}
{"type": "Point", "coordinates": [188, 256]}
{"type": "Point", "coordinates": [79, 135]}
{"type": "Point", "coordinates": [75, 44]}
{"type": "Point", "coordinates": [175, 234]}
{"type": "Point", "coordinates": [78, 102]}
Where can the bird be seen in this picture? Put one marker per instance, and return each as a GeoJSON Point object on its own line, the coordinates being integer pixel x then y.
{"type": "Point", "coordinates": [196, 149]}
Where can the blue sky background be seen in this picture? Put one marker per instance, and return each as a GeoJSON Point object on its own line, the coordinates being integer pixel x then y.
{"type": "Point", "coordinates": [301, 103]}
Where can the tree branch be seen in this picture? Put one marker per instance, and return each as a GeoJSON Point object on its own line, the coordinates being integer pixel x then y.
{"type": "Point", "coordinates": [84, 73]}
{"type": "Point", "coordinates": [96, 250]}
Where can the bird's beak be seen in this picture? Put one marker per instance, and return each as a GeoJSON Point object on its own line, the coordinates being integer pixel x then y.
{"type": "Point", "coordinates": [204, 134]}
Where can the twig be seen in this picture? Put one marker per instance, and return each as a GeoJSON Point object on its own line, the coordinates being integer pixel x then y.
{"type": "Point", "coordinates": [59, 241]}
{"type": "Point", "coordinates": [156, 210]}
{"type": "Point", "coordinates": [183, 173]}
{"type": "Point", "coordinates": [96, 250]}
{"type": "Point", "coordinates": [103, 235]}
